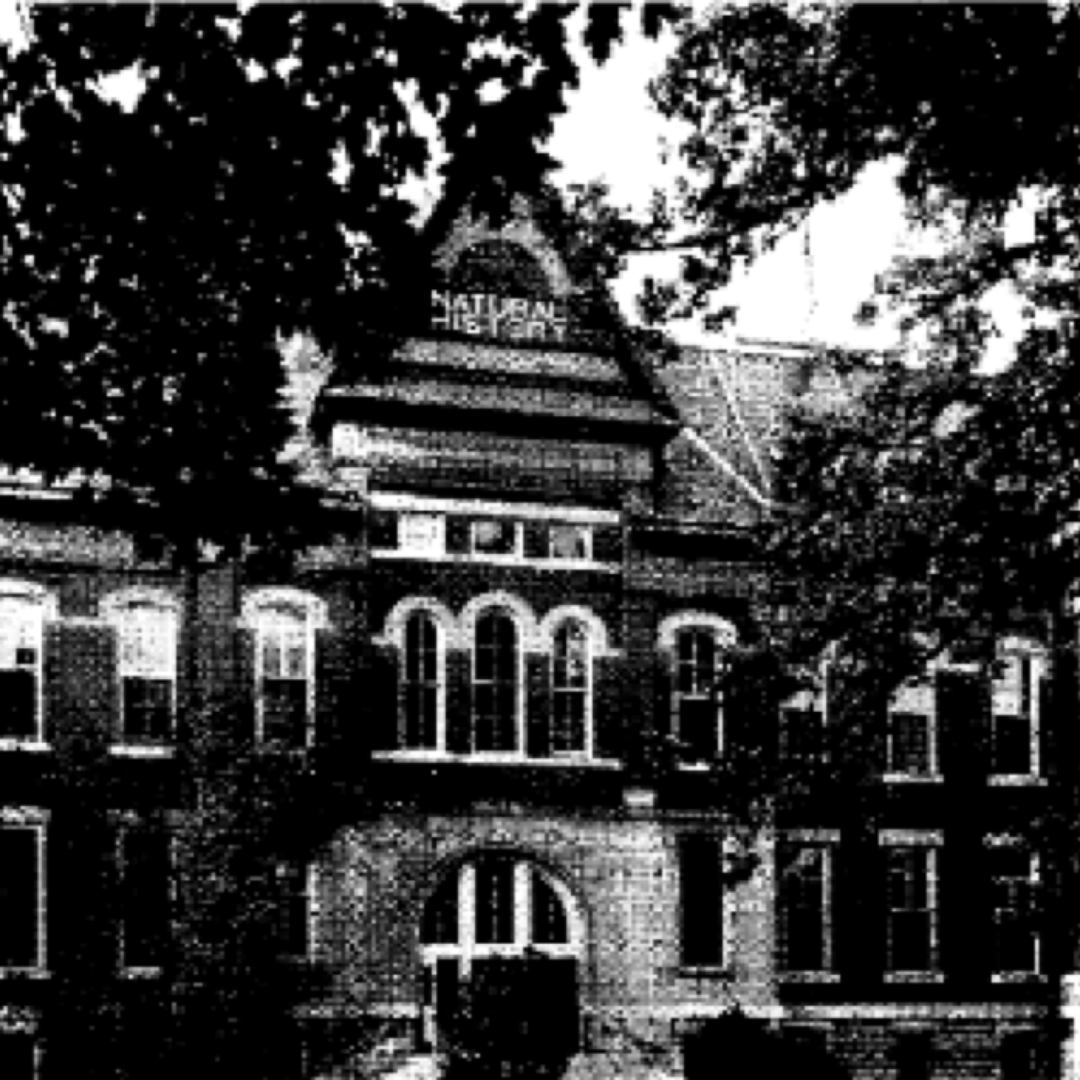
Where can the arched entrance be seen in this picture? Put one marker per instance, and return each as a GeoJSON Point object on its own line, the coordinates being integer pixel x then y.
{"type": "Point", "coordinates": [496, 906]}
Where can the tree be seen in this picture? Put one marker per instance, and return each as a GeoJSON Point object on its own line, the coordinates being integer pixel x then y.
{"type": "Point", "coordinates": [157, 250]}
{"type": "Point", "coordinates": [944, 499]}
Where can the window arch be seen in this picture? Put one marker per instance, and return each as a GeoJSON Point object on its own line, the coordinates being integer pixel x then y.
{"type": "Point", "coordinates": [24, 608]}
{"type": "Point", "coordinates": [284, 622]}
{"type": "Point", "coordinates": [697, 645]}
{"type": "Point", "coordinates": [147, 623]}
{"type": "Point", "coordinates": [497, 719]}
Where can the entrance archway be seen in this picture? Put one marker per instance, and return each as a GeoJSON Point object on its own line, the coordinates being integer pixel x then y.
{"type": "Point", "coordinates": [492, 906]}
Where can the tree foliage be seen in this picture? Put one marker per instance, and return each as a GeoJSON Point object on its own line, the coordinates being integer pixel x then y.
{"type": "Point", "coordinates": [154, 250]}
{"type": "Point", "coordinates": [941, 499]}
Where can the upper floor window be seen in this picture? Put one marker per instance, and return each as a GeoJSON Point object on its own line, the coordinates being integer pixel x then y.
{"type": "Point", "coordinates": [422, 534]}
{"type": "Point", "coordinates": [496, 683]}
{"type": "Point", "coordinates": [912, 735]}
{"type": "Point", "coordinates": [698, 710]}
{"type": "Point", "coordinates": [1014, 885]}
{"type": "Point", "coordinates": [571, 689]}
{"type": "Point", "coordinates": [296, 895]}
{"type": "Point", "coordinates": [1014, 724]}
{"type": "Point", "coordinates": [911, 868]}
{"type": "Point", "coordinates": [570, 542]}
{"type": "Point", "coordinates": [284, 622]}
{"type": "Point", "coordinates": [147, 631]}
{"type": "Point", "coordinates": [422, 684]}
{"type": "Point", "coordinates": [802, 720]}
{"type": "Point", "coordinates": [22, 627]}
{"type": "Point", "coordinates": [495, 536]}
{"type": "Point", "coordinates": [22, 892]}
{"type": "Point", "coordinates": [805, 869]}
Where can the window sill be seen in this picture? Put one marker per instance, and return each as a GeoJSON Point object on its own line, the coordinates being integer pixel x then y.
{"type": "Point", "coordinates": [134, 751]}
{"type": "Point", "coordinates": [441, 757]}
{"type": "Point", "coordinates": [1016, 780]}
{"type": "Point", "coordinates": [913, 778]}
{"type": "Point", "coordinates": [900, 977]}
{"type": "Point", "coordinates": [136, 973]}
{"type": "Point", "coordinates": [19, 974]}
{"type": "Point", "coordinates": [1014, 978]}
{"type": "Point", "coordinates": [810, 976]}
{"type": "Point", "coordinates": [34, 745]}
{"type": "Point", "coordinates": [703, 971]}
{"type": "Point", "coordinates": [498, 560]}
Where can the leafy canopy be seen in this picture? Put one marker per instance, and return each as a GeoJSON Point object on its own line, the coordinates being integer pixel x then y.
{"type": "Point", "coordinates": [945, 498]}
{"type": "Point", "coordinates": [155, 251]}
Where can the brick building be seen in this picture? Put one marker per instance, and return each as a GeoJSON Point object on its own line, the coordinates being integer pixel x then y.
{"type": "Point", "coordinates": [541, 549]}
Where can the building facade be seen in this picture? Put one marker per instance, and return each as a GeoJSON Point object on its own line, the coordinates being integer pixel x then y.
{"type": "Point", "coordinates": [544, 554]}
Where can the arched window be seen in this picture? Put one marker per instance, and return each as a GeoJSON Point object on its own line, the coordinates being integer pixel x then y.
{"type": "Point", "coordinates": [22, 628]}
{"type": "Point", "coordinates": [571, 690]}
{"type": "Point", "coordinates": [284, 622]}
{"type": "Point", "coordinates": [696, 700]}
{"type": "Point", "coordinates": [146, 625]}
{"type": "Point", "coordinates": [496, 683]}
{"type": "Point", "coordinates": [422, 684]}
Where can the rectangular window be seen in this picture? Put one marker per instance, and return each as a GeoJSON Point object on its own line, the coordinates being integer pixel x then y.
{"type": "Point", "coordinates": [21, 631]}
{"type": "Point", "coordinates": [22, 896]}
{"type": "Point", "coordinates": [570, 542]}
{"type": "Point", "coordinates": [422, 534]}
{"type": "Point", "coordinates": [284, 683]}
{"type": "Point", "coordinates": [802, 732]}
{"type": "Point", "coordinates": [911, 905]}
{"type": "Point", "coordinates": [912, 731]}
{"type": "Point", "coordinates": [145, 896]}
{"type": "Point", "coordinates": [147, 676]}
{"type": "Point", "coordinates": [698, 699]}
{"type": "Point", "coordinates": [701, 901]}
{"type": "Point", "coordinates": [805, 896]}
{"type": "Point", "coordinates": [1014, 885]}
{"type": "Point", "coordinates": [1014, 730]}
{"type": "Point", "coordinates": [495, 536]}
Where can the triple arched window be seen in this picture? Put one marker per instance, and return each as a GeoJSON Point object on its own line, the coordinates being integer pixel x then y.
{"type": "Point", "coordinates": [525, 687]}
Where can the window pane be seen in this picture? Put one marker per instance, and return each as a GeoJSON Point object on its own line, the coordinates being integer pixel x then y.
{"type": "Point", "coordinates": [548, 915]}
{"type": "Point", "coordinates": [147, 711]}
{"type": "Point", "coordinates": [17, 1055]}
{"type": "Point", "coordinates": [909, 941]}
{"type": "Point", "coordinates": [284, 715]}
{"type": "Point", "coordinates": [494, 901]}
{"type": "Point", "coordinates": [18, 704]}
{"type": "Point", "coordinates": [700, 901]}
{"type": "Point", "coordinates": [19, 893]}
{"type": "Point", "coordinates": [441, 914]}
{"type": "Point", "coordinates": [568, 726]}
{"type": "Point", "coordinates": [145, 903]}
{"type": "Point", "coordinates": [803, 909]}
{"type": "Point", "coordinates": [147, 643]}
{"type": "Point", "coordinates": [495, 689]}
{"type": "Point", "coordinates": [569, 542]}
{"type": "Point", "coordinates": [1010, 745]}
{"type": "Point", "coordinates": [910, 743]}
{"type": "Point", "coordinates": [420, 703]}
{"type": "Point", "coordinates": [294, 937]}
{"type": "Point", "coordinates": [698, 720]}
{"type": "Point", "coordinates": [494, 537]}
{"type": "Point", "coordinates": [803, 736]}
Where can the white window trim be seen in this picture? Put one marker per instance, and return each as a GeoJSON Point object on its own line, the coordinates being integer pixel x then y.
{"type": "Point", "coordinates": [932, 840]}
{"type": "Point", "coordinates": [1036, 975]}
{"type": "Point", "coordinates": [39, 599]}
{"type": "Point", "coordinates": [1014, 646]}
{"type": "Point", "coordinates": [573, 515]}
{"type": "Point", "coordinates": [36, 819]}
{"type": "Point", "coordinates": [114, 609]}
{"type": "Point", "coordinates": [258, 612]}
{"type": "Point", "coordinates": [825, 840]}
